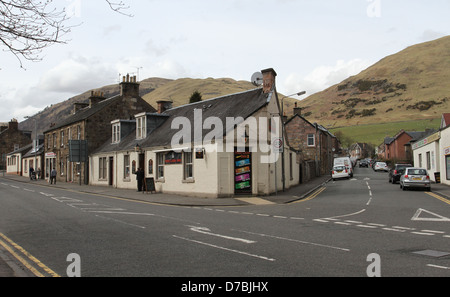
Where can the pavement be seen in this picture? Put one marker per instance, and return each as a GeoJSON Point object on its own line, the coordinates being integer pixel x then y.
{"type": "Point", "coordinates": [9, 268]}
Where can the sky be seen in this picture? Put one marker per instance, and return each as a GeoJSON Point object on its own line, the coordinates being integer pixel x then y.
{"type": "Point", "coordinates": [312, 45]}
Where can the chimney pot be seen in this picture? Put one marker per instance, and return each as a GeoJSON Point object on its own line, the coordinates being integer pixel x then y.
{"type": "Point", "coordinates": [268, 80]}
{"type": "Point", "coordinates": [164, 105]}
{"type": "Point", "coordinates": [129, 87]}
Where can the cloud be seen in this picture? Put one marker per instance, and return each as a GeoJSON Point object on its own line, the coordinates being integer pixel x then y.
{"type": "Point", "coordinates": [154, 49]}
{"type": "Point", "coordinates": [76, 75]}
{"type": "Point", "coordinates": [429, 35]}
{"type": "Point", "coordinates": [323, 77]}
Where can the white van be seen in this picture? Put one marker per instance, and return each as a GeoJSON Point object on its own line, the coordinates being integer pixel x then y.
{"type": "Point", "coordinates": [345, 161]}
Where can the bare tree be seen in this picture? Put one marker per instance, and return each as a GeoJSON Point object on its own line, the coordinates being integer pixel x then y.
{"type": "Point", "coordinates": [29, 26]}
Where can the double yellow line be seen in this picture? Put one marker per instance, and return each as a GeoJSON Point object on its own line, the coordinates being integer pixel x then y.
{"type": "Point", "coordinates": [17, 251]}
{"type": "Point", "coordinates": [312, 196]}
{"type": "Point", "coordinates": [438, 197]}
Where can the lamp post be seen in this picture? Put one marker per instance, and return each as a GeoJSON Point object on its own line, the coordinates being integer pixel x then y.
{"type": "Point", "coordinates": [282, 134]}
{"type": "Point", "coordinates": [35, 145]}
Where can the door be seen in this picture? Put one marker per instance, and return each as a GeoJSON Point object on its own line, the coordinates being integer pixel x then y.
{"type": "Point", "coordinates": [111, 171]}
{"type": "Point", "coordinates": [224, 176]}
{"type": "Point", "coordinates": [242, 173]}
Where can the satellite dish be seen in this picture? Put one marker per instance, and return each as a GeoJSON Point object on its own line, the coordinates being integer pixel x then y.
{"type": "Point", "coordinates": [257, 79]}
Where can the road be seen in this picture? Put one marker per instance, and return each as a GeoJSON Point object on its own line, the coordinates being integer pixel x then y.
{"type": "Point", "coordinates": [358, 227]}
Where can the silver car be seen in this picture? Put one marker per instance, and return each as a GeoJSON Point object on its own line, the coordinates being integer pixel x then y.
{"type": "Point", "coordinates": [415, 178]}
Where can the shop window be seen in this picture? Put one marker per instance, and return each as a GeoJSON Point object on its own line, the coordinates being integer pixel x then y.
{"type": "Point", "coordinates": [160, 164]}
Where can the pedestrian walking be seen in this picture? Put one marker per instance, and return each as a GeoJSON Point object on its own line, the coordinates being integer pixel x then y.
{"type": "Point", "coordinates": [53, 176]}
{"type": "Point", "coordinates": [32, 173]}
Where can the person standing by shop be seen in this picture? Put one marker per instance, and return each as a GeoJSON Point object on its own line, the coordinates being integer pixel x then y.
{"type": "Point", "coordinates": [140, 178]}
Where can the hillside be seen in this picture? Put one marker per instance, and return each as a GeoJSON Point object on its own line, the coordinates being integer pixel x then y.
{"type": "Point", "coordinates": [151, 90]}
{"type": "Point", "coordinates": [60, 111]}
{"type": "Point", "coordinates": [410, 85]}
{"type": "Point", "coordinates": [180, 90]}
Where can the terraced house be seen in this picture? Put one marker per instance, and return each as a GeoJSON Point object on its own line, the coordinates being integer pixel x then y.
{"type": "Point", "coordinates": [89, 122]}
{"type": "Point", "coordinates": [201, 165]}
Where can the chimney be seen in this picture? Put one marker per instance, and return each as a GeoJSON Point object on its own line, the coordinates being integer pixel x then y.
{"type": "Point", "coordinates": [268, 80]}
{"type": "Point", "coordinates": [129, 87]}
{"type": "Point", "coordinates": [164, 105]}
{"type": "Point", "coordinates": [297, 110]}
{"type": "Point", "coordinates": [13, 125]}
{"type": "Point", "coordinates": [95, 98]}
{"type": "Point", "coordinates": [78, 106]}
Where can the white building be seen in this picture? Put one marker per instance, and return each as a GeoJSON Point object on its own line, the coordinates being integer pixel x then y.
{"type": "Point", "coordinates": [14, 160]}
{"type": "Point", "coordinates": [444, 153]}
{"type": "Point", "coordinates": [206, 158]}
{"type": "Point", "coordinates": [426, 154]}
{"type": "Point", "coordinates": [433, 152]}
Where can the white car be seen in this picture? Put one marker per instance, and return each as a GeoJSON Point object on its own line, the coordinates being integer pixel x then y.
{"type": "Point", "coordinates": [380, 166]}
{"type": "Point", "coordinates": [340, 172]}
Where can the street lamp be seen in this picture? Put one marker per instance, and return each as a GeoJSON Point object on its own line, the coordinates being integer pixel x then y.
{"type": "Point", "coordinates": [282, 100]}
{"type": "Point", "coordinates": [35, 145]}
{"type": "Point", "coordinates": [282, 134]}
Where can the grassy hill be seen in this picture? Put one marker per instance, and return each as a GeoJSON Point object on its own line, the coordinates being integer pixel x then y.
{"type": "Point", "coordinates": [180, 90]}
{"type": "Point", "coordinates": [60, 111]}
{"type": "Point", "coordinates": [375, 133]}
{"type": "Point", "coordinates": [410, 85]}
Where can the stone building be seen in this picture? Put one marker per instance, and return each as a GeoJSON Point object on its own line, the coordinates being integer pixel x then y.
{"type": "Point", "coordinates": [90, 122]}
{"type": "Point", "coordinates": [12, 139]}
{"type": "Point", "coordinates": [315, 145]}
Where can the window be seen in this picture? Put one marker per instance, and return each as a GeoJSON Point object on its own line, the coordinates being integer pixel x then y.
{"type": "Point", "coordinates": [187, 165]}
{"type": "Point", "coordinates": [61, 166]}
{"type": "Point", "coordinates": [116, 133]}
{"type": "Point", "coordinates": [62, 139]}
{"type": "Point", "coordinates": [447, 166]}
{"type": "Point", "coordinates": [428, 161]}
{"type": "Point", "coordinates": [54, 139]}
{"type": "Point", "coordinates": [140, 128]}
{"type": "Point", "coordinates": [420, 160]}
{"type": "Point", "coordinates": [311, 140]}
{"type": "Point", "coordinates": [102, 168]}
{"type": "Point", "coordinates": [78, 132]}
{"type": "Point", "coordinates": [160, 164]}
{"type": "Point", "coordinates": [69, 136]}
{"type": "Point", "coordinates": [150, 166]}
{"type": "Point", "coordinates": [126, 167]}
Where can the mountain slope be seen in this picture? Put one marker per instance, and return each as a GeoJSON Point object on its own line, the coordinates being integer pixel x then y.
{"type": "Point", "coordinates": [180, 90]}
{"type": "Point", "coordinates": [60, 111]}
{"type": "Point", "coordinates": [410, 85]}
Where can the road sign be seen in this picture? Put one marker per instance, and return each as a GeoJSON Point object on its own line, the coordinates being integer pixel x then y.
{"type": "Point", "coordinates": [78, 151]}
{"type": "Point", "coordinates": [278, 144]}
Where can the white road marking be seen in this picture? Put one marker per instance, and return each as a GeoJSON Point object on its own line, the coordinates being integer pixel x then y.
{"type": "Point", "coordinates": [204, 230]}
{"type": "Point", "coordinates": [296, 240]}
{"type": "Point", "coordinates": [437, 266]}
{"type": "Point", "coordinates": [224, 248]}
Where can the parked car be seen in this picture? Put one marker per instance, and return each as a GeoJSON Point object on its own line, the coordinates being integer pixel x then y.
{"type": "Point", "coordinates": [397, 171]}
{"type": "Point", "coordinates": [380, 166]}
{"type": "Point", "coordinates": [340, 171]}
{"type": "Point", "coordinates": [415, 178]}
{"type": "Point", "coordinates": [363, 163]}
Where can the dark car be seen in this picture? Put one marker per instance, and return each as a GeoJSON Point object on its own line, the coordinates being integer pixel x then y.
{"type": "Point", "coordinates": [397, 171]}
{"type": "Point", "coordinates": [363, 163]}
